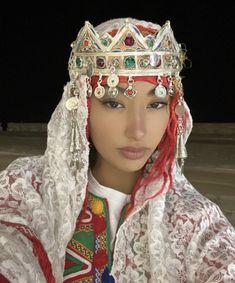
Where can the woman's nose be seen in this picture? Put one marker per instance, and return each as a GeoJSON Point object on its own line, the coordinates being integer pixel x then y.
{"type": "Point", "coordinates": [135, 124]}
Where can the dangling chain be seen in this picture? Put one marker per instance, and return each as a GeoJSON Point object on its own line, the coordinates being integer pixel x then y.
{"type": "Point", "coordinates": [112, 82]}
{"type": "Point", "coordinates": [181, 153]}
{"type": "Point", "coordinates": [160, 90]}
{"type": "Point", "coordinates": [130, 92]}
{"type": "Point", "coordinates": [72, 105]}
{"type": "Point", "coordinates": [170, 88]}
{"type": "Point", "coordinates": [99, 90]}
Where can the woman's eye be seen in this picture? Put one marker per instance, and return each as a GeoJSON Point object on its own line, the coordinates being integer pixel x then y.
{"type": "Point", "coordinates": [112, 104]}
{"type": "Point", "coordinates": [157, 105]}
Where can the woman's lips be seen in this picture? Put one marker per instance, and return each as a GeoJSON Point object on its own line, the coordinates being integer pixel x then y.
{"type": "Point", "coordinates": [133, 153]}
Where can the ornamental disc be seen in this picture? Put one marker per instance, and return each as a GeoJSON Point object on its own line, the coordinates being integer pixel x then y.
{"type": "Point", "coordinates": [113, 91]}
{"type": "Point", "coordinates": [130, 92]}
{"type": "Point", "coordinates": [160, 91]}
{"type": "Point", "coordinates": [113, 80]}
{"type": "Point", "coordinates": [99, 91]}
{"type": "Point", "coordinates": [72, 103]}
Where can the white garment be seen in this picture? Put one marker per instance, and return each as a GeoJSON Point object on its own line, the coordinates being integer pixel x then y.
{"type": "Point", "coordinates": [116, 200]}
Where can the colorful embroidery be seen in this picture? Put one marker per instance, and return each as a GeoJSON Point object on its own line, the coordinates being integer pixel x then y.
{"type": "Point", "coordinates": [88, 254]}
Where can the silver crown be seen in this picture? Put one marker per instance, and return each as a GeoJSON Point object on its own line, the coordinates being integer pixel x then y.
{"type": "Point", "coordinates": [129, 52]}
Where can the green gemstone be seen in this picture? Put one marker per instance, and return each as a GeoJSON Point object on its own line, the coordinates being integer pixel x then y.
{"type": "Point", "coordinates": [105, 41]}
{"type": "Point", "coordinates": [129, 62]}
{"type": "Point", "coordinates": [79, 62]}
{"type": "Point", "coordinates": [150, 42]}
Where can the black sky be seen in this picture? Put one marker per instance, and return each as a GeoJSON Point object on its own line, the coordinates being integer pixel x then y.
{"type": "Point", "coordinates": [35, 48]}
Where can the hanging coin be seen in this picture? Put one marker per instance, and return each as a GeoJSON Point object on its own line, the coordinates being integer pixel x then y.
{"type": "Point", "coordinates": [72, 103]}
{"type": "Point", "coordinates": [112, 80]}
{"type": "Point", "coordinates": [113, 91]}
{"type": "Point", "coordinates": [99, 91]}
{"type": "Point", "coordinates": [160, 91]}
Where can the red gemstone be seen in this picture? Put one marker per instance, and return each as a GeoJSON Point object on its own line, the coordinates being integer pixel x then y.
{"type": "Point", "coordinates": [86, 43]}
{"type": "Point", "coordinates": [129, 40]}
{"type": "Point", "coordinates": [130, 92]}
{"type": "Point", "coordinates": [100, 62]}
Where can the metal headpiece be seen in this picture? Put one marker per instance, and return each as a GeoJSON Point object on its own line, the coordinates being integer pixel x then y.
{"type": "Point", "coordinates": [128, 50]}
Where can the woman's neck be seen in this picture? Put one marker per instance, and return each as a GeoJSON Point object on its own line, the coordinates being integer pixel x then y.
{"type": "Point", "coordinates": [113, 178]}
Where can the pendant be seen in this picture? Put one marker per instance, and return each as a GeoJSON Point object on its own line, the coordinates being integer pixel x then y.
{"type": "Point", "coordinates": [112, 80]}
{"type": "Point", "coordinates": [99, 91]}
{"type": "Point", "coordinates": [113, 91]}
{"type": "Point", "coordinates": [130, 92]}
{"type": "Point", "coordinates": [160, 91]}
{"type": "Point", "coordinates": [72, 103]}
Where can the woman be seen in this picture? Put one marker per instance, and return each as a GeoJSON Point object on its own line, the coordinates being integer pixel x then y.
{"type": "Point", "coordinates": [108, 201]}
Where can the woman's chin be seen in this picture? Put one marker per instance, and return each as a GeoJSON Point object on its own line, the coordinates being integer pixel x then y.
{"type": "Point", "coordinates": [131, 165]}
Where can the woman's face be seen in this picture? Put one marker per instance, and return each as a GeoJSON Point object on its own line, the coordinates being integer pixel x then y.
{"type": "Point", "coordinates": [124, 131]}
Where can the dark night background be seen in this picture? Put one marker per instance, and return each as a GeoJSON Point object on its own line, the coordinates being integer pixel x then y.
{"type": "Point", "coordinates": [35, 48]}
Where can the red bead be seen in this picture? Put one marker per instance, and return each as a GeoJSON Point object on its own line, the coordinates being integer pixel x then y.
{"type": "Point", "coordinates": [130, 92]}
{"type": "Point", "coordinates": [100, 62]}
{"type": "Point", "coordinates": [129, 41]}
{"type": "Point", "coordinates": [86, 43]}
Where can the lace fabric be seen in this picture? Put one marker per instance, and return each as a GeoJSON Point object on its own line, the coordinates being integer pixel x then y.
{"type": "Point", "coordinates": [178, 237]}
{"type": "Point", "coordinates": [181, 236]}
{"type": "Point", "coordinates": [46, 193]}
